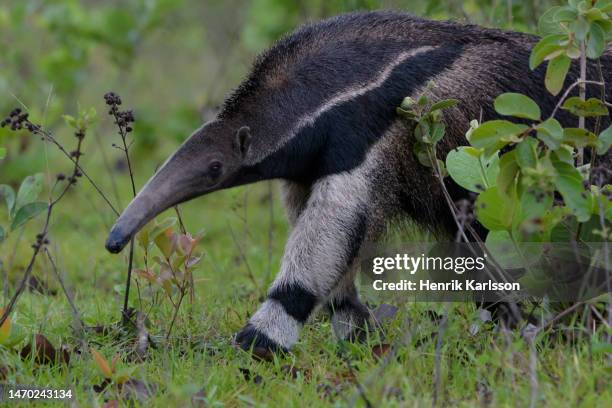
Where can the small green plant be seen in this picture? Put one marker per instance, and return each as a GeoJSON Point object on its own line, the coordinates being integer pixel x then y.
{"type": "Point", "coordinates": [173, 270]}
{"type": "Point", "coordinates": [428, 126]}
{"type": "Point", "coordinates": [24, 205]}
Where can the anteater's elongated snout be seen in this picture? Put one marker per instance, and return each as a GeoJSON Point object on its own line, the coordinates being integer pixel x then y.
{"type": "Point", "coordinates": [140, 211]}
{"type": "Point", "coordinates": [168, 187]}
{"type": "Point", "coordinates": [117, 240]}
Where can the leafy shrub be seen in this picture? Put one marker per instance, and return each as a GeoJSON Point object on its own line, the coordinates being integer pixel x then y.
{"type": "Point", "coordinates": [530, 182]}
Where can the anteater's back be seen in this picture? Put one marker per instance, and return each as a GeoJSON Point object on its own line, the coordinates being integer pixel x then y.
{"type": "Point", "coordinates": [368, 51]}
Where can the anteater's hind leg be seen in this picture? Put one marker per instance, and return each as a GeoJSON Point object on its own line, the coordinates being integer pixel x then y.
{"type": "Point", "coordinates": [322, 246]}
{"type": "Point", "coordinates": [350, 317]}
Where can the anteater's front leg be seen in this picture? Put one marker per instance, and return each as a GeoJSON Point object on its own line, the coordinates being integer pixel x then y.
{"type": "Point", "coordinates": [321, 248]}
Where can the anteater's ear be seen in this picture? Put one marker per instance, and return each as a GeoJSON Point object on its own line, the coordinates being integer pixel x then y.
{"type": "Point", "coordinates": [243, 140]}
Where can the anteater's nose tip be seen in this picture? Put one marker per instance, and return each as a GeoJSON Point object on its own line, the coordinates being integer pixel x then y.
{"type": "Point", "coordinates": [115, 242]}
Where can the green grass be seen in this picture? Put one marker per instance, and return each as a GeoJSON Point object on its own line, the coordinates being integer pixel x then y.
{"type": "Point", "coordinates": [490, 368]}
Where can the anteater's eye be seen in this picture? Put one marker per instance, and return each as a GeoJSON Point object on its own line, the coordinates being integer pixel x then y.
{"type": "Point", "coordinates": [215, 168]}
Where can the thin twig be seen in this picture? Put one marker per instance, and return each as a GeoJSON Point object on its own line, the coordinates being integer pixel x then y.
{"type": "Point", "coordinates": [567, 92]}
{"type": "Point", "coordinates": [244, 259]}
{"type": "Point", "coordinates": [76, 315]}
{"type": "Point", "coordinates": [48, 136]}
{"type": "Point", "coordinates": [177, 307]}
{"type": "Point", "coordinates": [559, 316]}
{"type": "Point", "coordinates": [123, 120]}
{"type": "Point", "coordinates": [582, 96]}
{"type": "Point", "coordinates": [180, 219]}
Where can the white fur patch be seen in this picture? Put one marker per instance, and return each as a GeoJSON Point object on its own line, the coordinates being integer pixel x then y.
{"type": "Point", "coordinates": [272, 320]}
{"type": "Point", "coordinates": [341, 97]}
{"type": "Point", "coordinates": [343, 323]}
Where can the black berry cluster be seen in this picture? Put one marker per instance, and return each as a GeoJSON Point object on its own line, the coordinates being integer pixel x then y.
{"type": "Point", "coordinates": [123, 119]}
{"type": "Point", "coordinates": [41, 240]}
{"type": "Point", "coordinates": [18, 120]}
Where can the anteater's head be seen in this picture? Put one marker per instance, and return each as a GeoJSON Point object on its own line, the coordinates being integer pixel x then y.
{"type": "Point", "coordinates": [211, 159]}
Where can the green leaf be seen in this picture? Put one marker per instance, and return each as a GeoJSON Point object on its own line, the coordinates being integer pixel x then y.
{"type": "Point", "coordinates": [580, 27]}
{"type": "Point", "coordinates": [606, 26]}
{"type": "Point", "coordinates": [5, 329]}
{"type": "Point", "coordinates": [596, 43]}
{"type": "Point", "coordinates": [166, 242]}
{"type": "Point", "coordinates": [547, 24]}
{"type": "Point", "coordinates": [508, 174]}
{"type": "Point", "coordinates": [8, 194]}
{"type": "Point", "coordinates": [533, 204]}
{"type": "Point", "coordinates": [502, 248]}
{"type": "Point", "coordinates": [70, 121]}
{"type": "Point", "coordinates": [565, 154]}
{"type": "Point", "coordinates": [407, 114]}
{"type": "Point", "coordinates": [601, 204]}
{"type": "Point", "coordinates": [607, 8]}
{"type": "Point", "coordinates": [447, 103]}
{"type": "Point", "coordinates": [29, 191]}
{"type": "Point", "coordinates": [494, 211]}
{"type": "Point", "coordinates": [422, 153]}
{"type": "Point", "coordinates": [564, 14]}
{"type": "Point", "coordinates": [604, 5]}
{"type": "Point", "coordinates": [595, 14]}
{"type": "Point", "coordinates": [88, 116]}
{"type": "Point", "coordinates": [161, 227]}
{"type": "Point", "coordinates": [474, 173]}
{"type": "Point", "coordinates": [604, 141]}
{"type": "Point", "coordinates": [547, 48]}
{"type": "Point", "coordinates": [27, 212]}
{"type": "Point", "coordinates": [550, 132]}
{"type": "Point", "coordinates": [495, 134]}
{"type": "Point", "coordinates": [2, 152]}
{"type": "Point", "coordinates": [517, 105]}
{"type": "Point", "coordinates": [421, 133]}
{"type": "Point", "coordinates": [577, 137]}
{"type": "Point", "coordinates": [569, 183]}
{"type": "Point", "coordinates": [437, 132]}
{"type": "Point", "coordinates": [556, 72]}
{"type": "Point", "coordinates": [441, 168]}
{"type": "Point", "coordinates": [588, 108]}
{"type": "Point", "coordinates": [527, 153]}
{"type": "Point", "coordinates": [407, 103]}
{"type": "Point", "coordinates": [143, 236]}
{"type": "Point", "coordinates": [2, 234]}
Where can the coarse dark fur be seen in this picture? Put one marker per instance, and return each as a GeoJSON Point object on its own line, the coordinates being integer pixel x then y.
{"type": "Point", "coordinates": [318, 111]}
